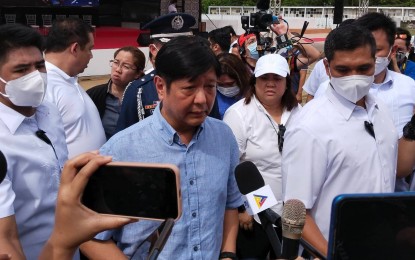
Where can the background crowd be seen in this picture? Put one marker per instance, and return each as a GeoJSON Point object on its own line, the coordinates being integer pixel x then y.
{"type": "Point", "coordinates": [205, 105]}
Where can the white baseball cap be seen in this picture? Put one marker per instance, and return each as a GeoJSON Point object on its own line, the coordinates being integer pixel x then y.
{"type": "Point", "coordinates": [272, 63]}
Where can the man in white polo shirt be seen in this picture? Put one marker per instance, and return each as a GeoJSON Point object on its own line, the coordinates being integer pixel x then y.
{"type": "Point", "coordinates": [342, 142]}
{"type": "Point", "coordinates": [33, 142]}
{"type": "Point", "coordinates": [68, 51]}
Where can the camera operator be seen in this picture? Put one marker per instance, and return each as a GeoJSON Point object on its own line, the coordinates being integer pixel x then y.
{"type": "Point", "coordinates": [307, 52]}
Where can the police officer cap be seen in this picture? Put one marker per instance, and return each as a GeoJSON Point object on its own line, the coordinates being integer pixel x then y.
{"type": "Point", "coordinates": [170, 25]}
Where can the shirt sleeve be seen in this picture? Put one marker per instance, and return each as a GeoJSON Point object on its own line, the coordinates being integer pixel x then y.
{"type": "Point", "coordinates": [304, 166]}
{"type": "Point", "coordinates": [314, 79]}
{"type": "Point", "coordinates": [234, 197]}
{"type": "Point", "coordinates": [7, 197]}
{"type": "Point", "coordinates": [235, 121]}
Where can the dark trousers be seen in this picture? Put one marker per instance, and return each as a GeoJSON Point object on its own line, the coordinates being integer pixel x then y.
{"type": "Point", "coordinates": [255, 244]}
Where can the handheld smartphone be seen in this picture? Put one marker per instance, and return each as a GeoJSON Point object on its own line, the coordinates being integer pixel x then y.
{"type": "Point", "coordinates": [372, 226]}
{"type": "Point", "coordinates": [135, 190]}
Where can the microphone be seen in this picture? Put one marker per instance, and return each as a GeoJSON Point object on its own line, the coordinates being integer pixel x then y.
{"type": "Point", "coordinates": [369, 128]}
{"type": "Point", "coordinates": [3, 166]}
{"type": "Point", "coordinates": [293, 220]}
{"type": "Point", "coordinates": [259, 199]}
{"type": "Point", "coordinates": [42, 136]}
{"type": "Point", "coordinates": [305, 25]}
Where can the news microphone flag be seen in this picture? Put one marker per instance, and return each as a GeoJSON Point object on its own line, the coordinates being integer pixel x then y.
{"type": "Point", "coordinates": [259, 200]}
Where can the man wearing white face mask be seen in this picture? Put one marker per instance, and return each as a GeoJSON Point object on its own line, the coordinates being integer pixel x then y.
{"type": "Point", "coordinates": [345, 140]}
{"type": "Point", "coordinates": [33, 141]}
{"type": "Point", "coordinates": [395, 89]}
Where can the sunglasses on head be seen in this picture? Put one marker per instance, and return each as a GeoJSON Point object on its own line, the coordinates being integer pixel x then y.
{"type": "Point", "coordinates": [401, 36]}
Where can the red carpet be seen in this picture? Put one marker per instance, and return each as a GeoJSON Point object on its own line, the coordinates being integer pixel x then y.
{"type": "Point", "coordinates": [115, 37]}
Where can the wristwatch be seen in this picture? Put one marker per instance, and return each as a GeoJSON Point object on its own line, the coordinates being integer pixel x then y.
{"type": "Point", "coordinates": [228, 255]}
{"type": "Point", "coordinates": [241, 209]}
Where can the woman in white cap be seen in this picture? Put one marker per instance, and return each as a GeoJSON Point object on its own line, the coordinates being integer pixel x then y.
{"type": "Point", "coordinates": [258, 122]}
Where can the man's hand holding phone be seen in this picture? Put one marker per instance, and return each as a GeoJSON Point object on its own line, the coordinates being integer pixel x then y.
{"type": "Point", "coordinates": [75, 223]}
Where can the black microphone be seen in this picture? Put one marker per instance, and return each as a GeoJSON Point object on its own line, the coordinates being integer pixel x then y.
{"type": "Point", "coordinates": [42, 136]}
{"type": "Point", "coordinates": [3, 166]}
{"type": "Point", "coordinates": [369, 128]}
{"type": "Point", "coordinates": [249, 179]}
{"type": "Point", "coordinates": [305, 25]}
{"type": "Point", "coordinates": [293, 220]}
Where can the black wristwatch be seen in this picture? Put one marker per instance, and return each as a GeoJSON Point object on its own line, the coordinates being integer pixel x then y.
{"type": "Point", "coordinates": [228, 255]}
{"type": "Point", "coordinates": [241, 209]}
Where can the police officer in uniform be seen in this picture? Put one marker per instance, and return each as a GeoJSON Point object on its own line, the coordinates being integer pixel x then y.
{"type": "Point", "coordinates": [140, 97]}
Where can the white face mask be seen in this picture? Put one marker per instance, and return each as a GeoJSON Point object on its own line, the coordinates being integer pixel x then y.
{"type": "Point", "coordinates": [26, 91]}
{"type": "Point", "coordinates": [229, 91]}
{"type": "Point", "coordinates": [353, 87]}
{"type": "Point", "coordinates": [382, 63]}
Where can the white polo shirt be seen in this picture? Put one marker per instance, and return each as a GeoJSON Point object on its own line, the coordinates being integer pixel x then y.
{"type": "Point", "coordinates": [81, 120]}
{"type": "Point", "coordinates": [398, 92]}
{"type": "Point", "coordinates": [30, 188]}
{"type": "Point", "coordinates": [328, 152]}
{"type": "Point", "coordinates": [258, 140]}
{"type": "Point", "coordinates": [317, 76]}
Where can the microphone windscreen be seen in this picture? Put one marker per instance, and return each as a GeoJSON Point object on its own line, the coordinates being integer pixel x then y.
{"type": "Point", "coordinates": [3, 166]}
{"type": "Point", "coordinates": [248, 177]}
{"type": "Point", "coordinates": [293, 219]}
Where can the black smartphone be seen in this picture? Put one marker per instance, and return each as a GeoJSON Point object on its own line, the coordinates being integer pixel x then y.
{"type": "Point", "coordinates": [373, 226]}
{"type": "Point", "coordinates": [135, 190]}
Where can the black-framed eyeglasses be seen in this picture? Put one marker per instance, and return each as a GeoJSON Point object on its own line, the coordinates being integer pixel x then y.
{"type": "Point", "coordinates": [281, 132]}
{"type": "Point", "coordinates": [117, 64]}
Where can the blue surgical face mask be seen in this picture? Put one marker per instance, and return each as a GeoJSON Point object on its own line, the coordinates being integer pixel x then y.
{"type": "Point", "coordinates": [253, 51]}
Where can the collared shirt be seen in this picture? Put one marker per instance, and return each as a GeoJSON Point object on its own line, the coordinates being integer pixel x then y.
{"type": "Point", "coordinates": [317, 76]}
{"type": "Point", "coordinates": [328, 151]}
{"type": "Point", "coordinates": [397, 91]}
{"type": "Point", "coordinates": [30, 188]}
{"type": "Point", "coordinates": [257, 135]}
{"type": "Point", "coordinates": [81, 120]}
{"type": "Point", "coordinates": [208, 185]}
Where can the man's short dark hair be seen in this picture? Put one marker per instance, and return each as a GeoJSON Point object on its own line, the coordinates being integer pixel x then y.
{"type": "Point", "coordinates": [348, 38]}
{"type": "Point", "coordinates": [14, 36]}
{"type": "Point", "coordinates": [185, 57]}
{"type": "Point", "coordinates": [67, 31]}
{"type": "Point", "coordinates": [376, 21]}
{"type": "Point", "coordinates": [220, 37]}
{"type": "Point", "coordinates": [229, 29]}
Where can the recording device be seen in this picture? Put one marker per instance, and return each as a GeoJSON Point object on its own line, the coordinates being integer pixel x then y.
{"type": "Point", "coordinates": [259, 22]}
{"type": "Point", "coordinates": [292, 220]}
{"type": "Point", "coordinates": [3, 167]}
{"type": "Point", "coordinates": [135, 190]}
{"type": "Point", "coordinates": [372, 226]}
{"type": "Point", "coordinates": [250, 181]}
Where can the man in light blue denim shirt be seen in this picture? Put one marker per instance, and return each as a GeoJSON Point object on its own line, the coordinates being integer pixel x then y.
{"type": "Point", "coordinates": [204, 149]}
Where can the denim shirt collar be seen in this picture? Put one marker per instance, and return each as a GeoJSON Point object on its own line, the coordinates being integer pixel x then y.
{"type": "Point", "coordinates": [168, 133]}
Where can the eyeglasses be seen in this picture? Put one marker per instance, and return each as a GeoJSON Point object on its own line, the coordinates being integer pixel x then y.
{"type": "Point", "coordinates": [401, 36]}
{"type": "Point", "coordinates": [117, 64]}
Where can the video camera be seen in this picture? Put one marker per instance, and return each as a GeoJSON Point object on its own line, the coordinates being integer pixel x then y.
{"type": "Point", "coordinates": [259, 22]}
